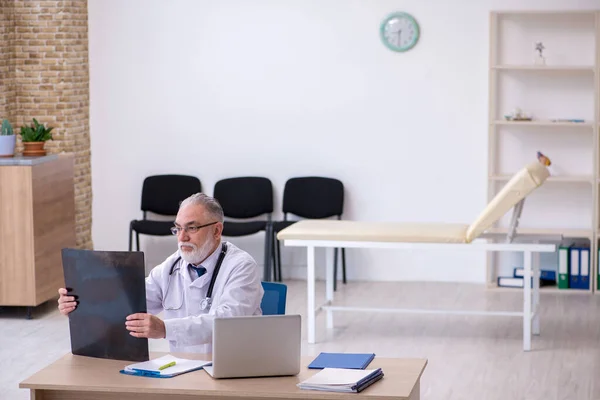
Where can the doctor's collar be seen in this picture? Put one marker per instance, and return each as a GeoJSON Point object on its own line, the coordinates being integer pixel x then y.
{"type": "Point", "coordinates": [209, 263]}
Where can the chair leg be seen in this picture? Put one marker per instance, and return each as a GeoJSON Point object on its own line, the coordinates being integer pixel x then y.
{"type": "Point", "coordinates": [276, 276]}
{"type": "Point", "coordinates": [344, 265]}
{"type": "Point", "coordinates": [137, 241]}
{"type": "Point", "coordinates": [267, 267]}
{"type": "Point", "coordinates": [130, 237]}
{"type": "Point", "coordinates": [335, 255]}
{"type": "Point", "coordinates": [278, 259]}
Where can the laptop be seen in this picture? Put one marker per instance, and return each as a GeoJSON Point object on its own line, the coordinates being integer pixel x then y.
{"type": "Point", "coordinates": [253, 346]}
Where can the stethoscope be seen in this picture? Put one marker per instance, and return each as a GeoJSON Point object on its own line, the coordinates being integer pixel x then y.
{"type": "Point", "coordinates": [206, 303]}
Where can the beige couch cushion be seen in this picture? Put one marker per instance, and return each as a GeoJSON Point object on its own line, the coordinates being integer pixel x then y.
{"type": "Point", "coordinates": [375, 231]}
{"type": "Point", "coordinates": [519, 186]}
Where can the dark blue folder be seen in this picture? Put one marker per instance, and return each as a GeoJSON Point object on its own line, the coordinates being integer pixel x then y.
{"type": "Point", "coordinates": [342, 360]}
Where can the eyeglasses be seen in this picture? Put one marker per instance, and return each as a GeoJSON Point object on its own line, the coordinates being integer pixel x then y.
{"type": "Point", "coordinates": [190, 229]}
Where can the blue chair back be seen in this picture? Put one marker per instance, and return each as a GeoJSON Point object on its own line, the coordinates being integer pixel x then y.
{"type": "Point", "coordinates": [273, 301]}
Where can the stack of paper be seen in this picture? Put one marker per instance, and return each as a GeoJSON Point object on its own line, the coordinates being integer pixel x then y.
{"type": "Point", "coordinates": [342, 380]}
{"type": "Point", "coordinates": [164, 367]}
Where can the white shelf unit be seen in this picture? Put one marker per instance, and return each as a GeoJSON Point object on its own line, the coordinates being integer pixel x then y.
{"type": "Point", "coordinates": [567, 87]}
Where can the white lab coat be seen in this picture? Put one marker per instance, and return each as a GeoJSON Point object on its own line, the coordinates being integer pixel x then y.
{"type": "Point", "coordinates": [237, 291]}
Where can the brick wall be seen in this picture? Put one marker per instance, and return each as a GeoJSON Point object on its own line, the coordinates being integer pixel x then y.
{"type": "Point", "coordinates": [48, 79]}
{"type": "Point", "coordinates": [7, 84]}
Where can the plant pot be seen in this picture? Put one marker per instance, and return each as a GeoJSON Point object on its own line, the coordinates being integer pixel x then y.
{"type": "Point", "coordinates": [34, 149]}
{"type": "Point", "coordinates": [7, 145]}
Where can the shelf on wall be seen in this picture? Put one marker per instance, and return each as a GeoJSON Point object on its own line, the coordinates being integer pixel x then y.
{"type": "Point", "coordinates": [543, 289]}
{"type": "Point", "coordinates": [545, 68]}
{"type": "Point", "coordinates": [567, 90]}
{"type": "Point", "coordinates": [546, 123]}
{"type": "Point", "coordinates": [557, 179]}
{"type": "Point", "coordinates": [566, 232]}
{"type": "Point", "coordinates": [544, 13]}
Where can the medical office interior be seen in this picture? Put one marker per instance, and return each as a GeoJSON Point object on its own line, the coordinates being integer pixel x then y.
{"type": "Point", "coordinates": [424, 129]}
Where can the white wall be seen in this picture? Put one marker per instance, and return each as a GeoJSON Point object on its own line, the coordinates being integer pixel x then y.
{"type": "Point", "coordinates": [292, 88]}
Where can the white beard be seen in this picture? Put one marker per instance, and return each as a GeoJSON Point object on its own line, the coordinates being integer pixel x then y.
{"type": "Point", "coordinates": [198, 254]}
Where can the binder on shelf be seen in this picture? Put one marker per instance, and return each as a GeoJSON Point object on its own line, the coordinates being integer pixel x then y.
{"type": "Point", "coordinates": [545, 274]}
{"type": "Point", "coordinates": [563, 267]}
{"type": "Point", "coordinates": [511, 281]}
{"type": "Point", "coordinates": [342, 360]}
{"type": "Point", "coordinates": [580, 268]}
{"type": "Point", "coordinates": [574, 268]}
{"type": "Point", "coordinates": [598, 273]}
{"type": "Point", "coordinates": [585, 268]}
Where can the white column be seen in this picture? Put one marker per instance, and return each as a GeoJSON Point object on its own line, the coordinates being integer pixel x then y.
{"type": "Point", "coordinates": [310, 292]}
{"type": "Point", "coordinates": [527, 300]}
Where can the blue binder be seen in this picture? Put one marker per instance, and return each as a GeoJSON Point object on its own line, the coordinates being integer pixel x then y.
{"type": "Point", "coordinates": [342, 360]}
{"type": "Point", "coordinates": [580, 268]}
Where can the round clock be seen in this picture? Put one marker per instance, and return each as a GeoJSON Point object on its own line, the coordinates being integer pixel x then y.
{"type": "Point", "coordinates": [399, 31]}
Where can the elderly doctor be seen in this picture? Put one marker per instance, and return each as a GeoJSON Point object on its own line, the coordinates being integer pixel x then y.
{"type": "Point", "coordinates": [204, 279]}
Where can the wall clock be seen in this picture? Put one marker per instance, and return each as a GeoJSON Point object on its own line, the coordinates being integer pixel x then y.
{"type": "Point", "coordinates": [399, 31]}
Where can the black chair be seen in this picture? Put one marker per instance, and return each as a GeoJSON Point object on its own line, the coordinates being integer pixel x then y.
{"type": "Point", "coordinates": [161, 195]}
{"type": "Point", "coordinates": [311, 197]}
{"type": "Point", "coordinates": [247, 198]}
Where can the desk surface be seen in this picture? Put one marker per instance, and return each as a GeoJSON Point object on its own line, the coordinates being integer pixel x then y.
{"type": "Point", "coordinates": [77, 373]}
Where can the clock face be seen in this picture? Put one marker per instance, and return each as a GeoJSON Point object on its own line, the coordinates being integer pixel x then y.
{"type": "Point", "coordinates": [399, 32]}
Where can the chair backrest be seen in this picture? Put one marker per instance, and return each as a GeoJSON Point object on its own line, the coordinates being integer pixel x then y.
{"type": "Point", "coordinates": [162, 194]}
{"type": "Point", "coordinates": [522, 183]}
{"type": "Point", "coordinates": [273, 301]}
{"type": "Point", "coordinates": [313, 197]}
{"type": "Point", "coordinates": [245, 197]}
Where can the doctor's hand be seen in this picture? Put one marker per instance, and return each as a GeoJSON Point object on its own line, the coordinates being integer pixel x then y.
{"type": "Point", "coordinates": [66, 303]}
{"type": "Point", "coordinates": [144, 325]}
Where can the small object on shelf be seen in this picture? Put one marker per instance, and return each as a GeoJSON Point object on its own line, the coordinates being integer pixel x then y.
{"type": "Point", "coordinates": [539, 58]}
{"type": "Point", "coordinates": [543, 159]}
{"type": "Point", "coordinates": [573, 120]}
{"type": "Point", "coordinates": [517, 115]}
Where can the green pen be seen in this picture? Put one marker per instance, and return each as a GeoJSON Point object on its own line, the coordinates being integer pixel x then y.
{"type": "Point", "coordinates": [166, 365]}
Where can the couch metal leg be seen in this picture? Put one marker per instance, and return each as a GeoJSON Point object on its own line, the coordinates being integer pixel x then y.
{"type": "Point", "coordinates": [344, 265]}
{"type": "Point", "coordinates": [335, 259]}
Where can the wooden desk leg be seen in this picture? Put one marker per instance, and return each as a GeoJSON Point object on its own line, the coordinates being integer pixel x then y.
{"type": "Point", "coordinates": [36, 394]}
{"type": "Point", "coordinates": [416, 392]}
{"type": "Point", "coordinates": [310, 292]}
{"type": "Point", "coordinates": [527, 300]}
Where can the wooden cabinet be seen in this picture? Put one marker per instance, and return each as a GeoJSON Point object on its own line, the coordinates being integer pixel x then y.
{"type": "Point", "coordinates": [37, 220]}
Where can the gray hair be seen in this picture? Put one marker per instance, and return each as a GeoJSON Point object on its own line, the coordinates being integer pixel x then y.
{"type": "Point", "coordinates": [209, 203]}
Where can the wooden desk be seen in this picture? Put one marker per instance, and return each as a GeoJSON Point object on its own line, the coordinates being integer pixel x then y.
{"type": "Point", "coordinates": [82, 378]}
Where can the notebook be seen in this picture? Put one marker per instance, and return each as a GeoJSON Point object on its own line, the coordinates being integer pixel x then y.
{"type": "Point", "coordinates": [342, 360]}
{"type": "Point", "coordinates": [152, 368]}
{"type": "Point", "coordinates": [342, 380]}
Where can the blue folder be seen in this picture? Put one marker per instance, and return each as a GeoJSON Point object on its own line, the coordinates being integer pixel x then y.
{"type": "Point", "coordinates": [342, 360]}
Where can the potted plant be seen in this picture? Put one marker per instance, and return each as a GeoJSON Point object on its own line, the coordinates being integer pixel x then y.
{"type": "Point", "coordinates": [34, 137]}
{"type": "Point", "coordinates": [7, 139]}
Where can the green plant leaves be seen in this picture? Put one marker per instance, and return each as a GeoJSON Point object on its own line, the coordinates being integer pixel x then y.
{"type": "Point", "coordinates": [36, 132]}
{"type": "Point", "coordinates": [6, 129]}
